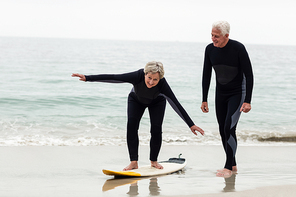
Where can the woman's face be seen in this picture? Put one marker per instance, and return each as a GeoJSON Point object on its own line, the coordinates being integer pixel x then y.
{"type": "Point", "coordinates": [151, 80]}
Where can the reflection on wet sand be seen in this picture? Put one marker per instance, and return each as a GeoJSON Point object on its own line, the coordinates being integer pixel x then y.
{"type": "Point", "coordinates": [153, 187]}
{"type": "Point", "coordinates": [116, 182]}
{"type": "Point", "coordinates": [230, 183]}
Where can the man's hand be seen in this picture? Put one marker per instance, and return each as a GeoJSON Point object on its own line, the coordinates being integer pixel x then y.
{"type": "Point", "coordinates": [204, 107]}
{"type": "Point", "coordinates": [246, 107]}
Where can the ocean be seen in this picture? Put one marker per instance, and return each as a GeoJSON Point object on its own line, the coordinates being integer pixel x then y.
{"type": "Point", "coordinates": [42, 105]}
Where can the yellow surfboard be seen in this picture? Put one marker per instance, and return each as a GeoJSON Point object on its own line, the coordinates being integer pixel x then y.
{"type": "Point", "coordinates": [170, 166]}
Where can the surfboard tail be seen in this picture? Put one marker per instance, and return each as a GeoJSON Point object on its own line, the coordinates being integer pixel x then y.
{"type": "Point", "coordinates": [120, 173]}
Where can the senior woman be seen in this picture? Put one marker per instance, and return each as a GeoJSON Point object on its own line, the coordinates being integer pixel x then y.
{"type": "Point", "coordinates": [150, 90]}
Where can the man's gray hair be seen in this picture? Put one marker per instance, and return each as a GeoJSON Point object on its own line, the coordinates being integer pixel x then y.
{"type": "Point", "coordinates": [154, 67]}
{"type": "Point", "coordinates": [222, 26]}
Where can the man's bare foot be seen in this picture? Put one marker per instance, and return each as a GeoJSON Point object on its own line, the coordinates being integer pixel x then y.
{"type": "Point", "coordinates": [234, 169]}
{"type": "Point", "coordinates": [131, 166]}
{"type": "Point", "coordinates": [224, 173]}
{"type": "Point", "coordinates": [155, 164]}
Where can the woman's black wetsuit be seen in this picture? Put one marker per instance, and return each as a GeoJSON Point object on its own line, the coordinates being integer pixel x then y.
{"type": "Point", "coordinates": [234, 84]}
{"type": "Point", "coordinates": [139, 99]}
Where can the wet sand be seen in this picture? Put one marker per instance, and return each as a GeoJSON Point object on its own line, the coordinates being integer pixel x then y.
{"type": "Point", "coordinates": [77, 171]}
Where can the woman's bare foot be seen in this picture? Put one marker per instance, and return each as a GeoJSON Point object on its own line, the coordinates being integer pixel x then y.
{"type": "Point", "coordinates": [224, 173]}
{"type": "Point", "coordinates": [155, 164]}
{"type": "Point", "coordinates": [131, 166]}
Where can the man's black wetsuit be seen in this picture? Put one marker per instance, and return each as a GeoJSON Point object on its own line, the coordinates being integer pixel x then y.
{"type": "Point", "coordinates": [139, 99]}
{"type": "Point", "coordinates": [234, 85]}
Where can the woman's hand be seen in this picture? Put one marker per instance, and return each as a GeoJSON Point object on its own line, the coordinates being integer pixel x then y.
{"type": "Point", "coordinates": [81, 76]}
{"type": "Point", "coordinates": [196, 128]}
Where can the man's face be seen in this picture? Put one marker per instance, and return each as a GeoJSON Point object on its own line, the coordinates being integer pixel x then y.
{"type": "Point", "coordinates": [219, 40]}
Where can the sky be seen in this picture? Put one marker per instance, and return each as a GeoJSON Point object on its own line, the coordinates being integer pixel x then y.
{"type": "Point", "coordinates": [269, 22]}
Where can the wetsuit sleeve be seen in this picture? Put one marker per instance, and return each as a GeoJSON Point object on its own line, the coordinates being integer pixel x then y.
{"type": "Point", "coordinates": [131, 77]}
{"type": "Point", "coordinates": [248, 72]}
{"type": "Point", "coordinates": [173, 101]}
{"type": "Point", "coordinates": [206, 76]}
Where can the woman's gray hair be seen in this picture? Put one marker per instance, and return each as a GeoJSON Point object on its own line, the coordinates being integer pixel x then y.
{"type": "Point", "coordinates": [222, 26]}
{"type": "Point", "coordinates": [154, 67]}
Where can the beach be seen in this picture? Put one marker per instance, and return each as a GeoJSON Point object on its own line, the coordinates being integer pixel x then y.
{"type": "Point", "coordinates": [58, 133]}
{"type": "Point", "coordinates": [77, 171]}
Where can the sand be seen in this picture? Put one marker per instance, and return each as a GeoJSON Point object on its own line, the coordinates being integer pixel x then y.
{"type": "Point", "coordinates": [270, 191]}
{"type": "Point", "coordinates": [77, 171]}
